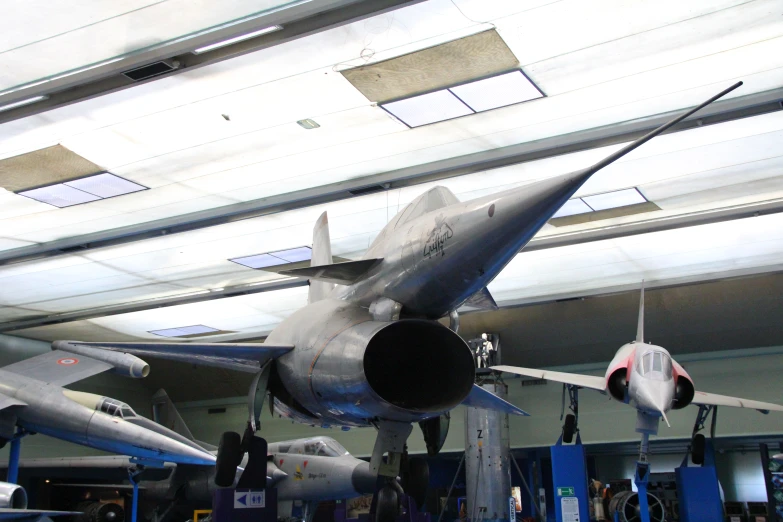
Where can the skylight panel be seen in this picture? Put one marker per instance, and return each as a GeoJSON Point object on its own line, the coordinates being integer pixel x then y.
{"type": "Point", "coordinates": [183, 331]}
{"type": "Point", "coordinates": [294, 255]}
{"type": "Point", "coordinates": [618, 198]}
{"type": "Point", "coordinates": [279, 257]}
{"type": "Point", "coordinates": [498, 91]}
{"type": "Point", "coordinates": [428, 108]}
{"type": "Point", "coordinates": [59, 195]}
{"type": "Point", "coordinates": [572, 207]}
{"type": "Point", "coordinates": [105, 185]}
{"type": "Point", "coordinates": [258, 261]}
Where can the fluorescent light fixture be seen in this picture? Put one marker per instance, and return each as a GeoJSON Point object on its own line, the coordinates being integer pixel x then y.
{"type": "Point", "coordinates": [618, 198]}
{"type": "Point", "coordinates": [572, 207]}
{"type": "Point", "coordinates": [59, 195]}
{"type": "Point", "coordinates": [183, 331]}
{"type": "Point", "coordinates": [428, 108]}
{"type": "Point", "coordinates": [105, 185]}
{"type": "Point", "coordinates": [83, 190]}
{"type": "Point", "coordinates": [279, 257]}
{"type": "Point", "coordinates": [498, 91]}
{"type": "Point", "coordinates": [218, 45]}
{"type": "Point", "coordinates": [22, 103]}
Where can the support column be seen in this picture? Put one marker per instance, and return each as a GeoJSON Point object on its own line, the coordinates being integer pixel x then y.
{"type": "Point", "coordinates": [487, 461]}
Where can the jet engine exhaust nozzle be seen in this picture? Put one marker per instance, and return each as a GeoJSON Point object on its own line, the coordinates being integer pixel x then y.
{"type": "Point", "coordinates": [419, 365]}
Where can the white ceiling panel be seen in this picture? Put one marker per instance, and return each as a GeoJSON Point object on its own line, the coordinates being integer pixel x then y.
{"type": "Point", "coordinates": [701, 252]}
{"type": "Point", "coordinates": [173, 138]}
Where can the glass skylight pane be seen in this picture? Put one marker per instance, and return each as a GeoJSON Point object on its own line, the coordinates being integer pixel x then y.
{"type": "Point", "coordinates": [618, 198]}
{"type": "Point", "coordinates": [259, 261]}
{"type": "Point", "coordinates": [428, 108]}
{"type": "Point", "coordinates": [59, 195]}
{"type": "Point", "coordinates": [294, 255]}
{"type": "Point", "coordinates": [498, 91]}
{"type": "Point", "coordinates": [184, 330]}
{"type": "Point", "coordinates": [105, 185]}
{"type": "Point", "coordinates": [572, 207]}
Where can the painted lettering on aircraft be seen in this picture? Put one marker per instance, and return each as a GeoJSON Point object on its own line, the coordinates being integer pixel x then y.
{"type": "Point", "coordinates": [437, 240]}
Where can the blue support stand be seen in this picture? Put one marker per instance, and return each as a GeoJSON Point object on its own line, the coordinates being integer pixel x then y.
{"type": "Point", "coordinates": [641, 479]}
{"type": "Point", "coordinates": [698, 489]}
{"type": "Point", "coordinates": [569, 470]}
{"type": "Point", "coordinates": [13, 457]}
{"type": "Point", "coordinates": [133, 476]}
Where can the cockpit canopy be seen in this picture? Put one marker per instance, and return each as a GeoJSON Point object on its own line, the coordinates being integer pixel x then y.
{"type": "Point", "coordinates": [115, 408]}
{"type": "Point", "coordinates": [656, 365]}
{"type": "Point", "coordinates": [316, 446]}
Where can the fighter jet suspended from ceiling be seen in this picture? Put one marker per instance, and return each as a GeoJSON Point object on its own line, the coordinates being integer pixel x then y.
{"type": "Point", "coordinates": [369, 352]}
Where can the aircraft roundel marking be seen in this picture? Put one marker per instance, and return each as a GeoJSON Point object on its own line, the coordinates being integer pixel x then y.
{"type": "Point", "coordinates": [68, 361]}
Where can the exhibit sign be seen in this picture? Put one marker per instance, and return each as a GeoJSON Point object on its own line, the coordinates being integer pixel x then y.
{"type": "Point", "coordinates": [569, 509]}
{"type": "Point", "coordinates": [512, 509]}
{"type": "Point", "coordinates": [249, 499]}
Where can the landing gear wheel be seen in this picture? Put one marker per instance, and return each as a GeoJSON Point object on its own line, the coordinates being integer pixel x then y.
{"type": "Point", "coordinates": [569, 428]}
{"type": "Point", "coordinates": [698, 445]}
{"type": "Point", "coordinates": [229, 456]}
{"type": "Point", "coordinates": [417, 480]}
{"type": "Point", "coordinates": [387, 504]}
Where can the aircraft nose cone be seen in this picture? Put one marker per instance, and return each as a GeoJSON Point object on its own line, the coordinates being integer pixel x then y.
{"type": "Point", "coordinates": [180, 453]}
{"type": "Point", "coordinates": [176, 447]}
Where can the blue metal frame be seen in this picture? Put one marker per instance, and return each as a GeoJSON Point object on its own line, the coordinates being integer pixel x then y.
{"type": "Point", "coordinates": [13, 456]}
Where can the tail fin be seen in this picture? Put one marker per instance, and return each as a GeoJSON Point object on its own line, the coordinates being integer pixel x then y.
{"type": "Point", "coordinates": [640, 323]}
{"type": "Point", "coordinates": [165, 413]}
{"type": "Point", "coordinates": [322, 255]}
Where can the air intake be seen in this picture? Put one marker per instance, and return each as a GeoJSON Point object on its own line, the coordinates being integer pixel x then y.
{"type": "Point", "coordinates": [148, 71]}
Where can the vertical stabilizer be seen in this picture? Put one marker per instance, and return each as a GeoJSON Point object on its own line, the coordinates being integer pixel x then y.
{"type": "Point", "coordinates": [165, 413]}
{"type": "Point", "coordinates": [322, 255]}
{"type": "Point", "coordinates": [640, 324]}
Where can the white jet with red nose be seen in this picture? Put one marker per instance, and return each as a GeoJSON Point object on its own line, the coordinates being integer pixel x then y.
{"type": "Point", "coordinates": [646, 377]}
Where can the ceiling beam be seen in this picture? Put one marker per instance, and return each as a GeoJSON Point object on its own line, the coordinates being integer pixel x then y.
{"type": "Point", "coordinates": [719, 112]}
{"type": "Point", "coordinates": [298, 21]}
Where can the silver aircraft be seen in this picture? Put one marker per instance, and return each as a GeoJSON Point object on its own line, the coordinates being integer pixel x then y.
{"type": "Point", "coordinates": [369, 352]}
{"type": "Point", "coordinates": [33, 400]}
{"type": "Point", "coordinates": [646, 377]}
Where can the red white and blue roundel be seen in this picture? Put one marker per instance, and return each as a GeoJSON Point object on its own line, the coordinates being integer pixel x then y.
{"type": "Point", "coordinates": [68, 361]}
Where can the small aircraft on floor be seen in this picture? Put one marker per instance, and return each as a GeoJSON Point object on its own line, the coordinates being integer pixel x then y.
{"type": "Point", "coordinates": [311, 470]}
{"type": "Point", "coordinates": [646, 377]}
